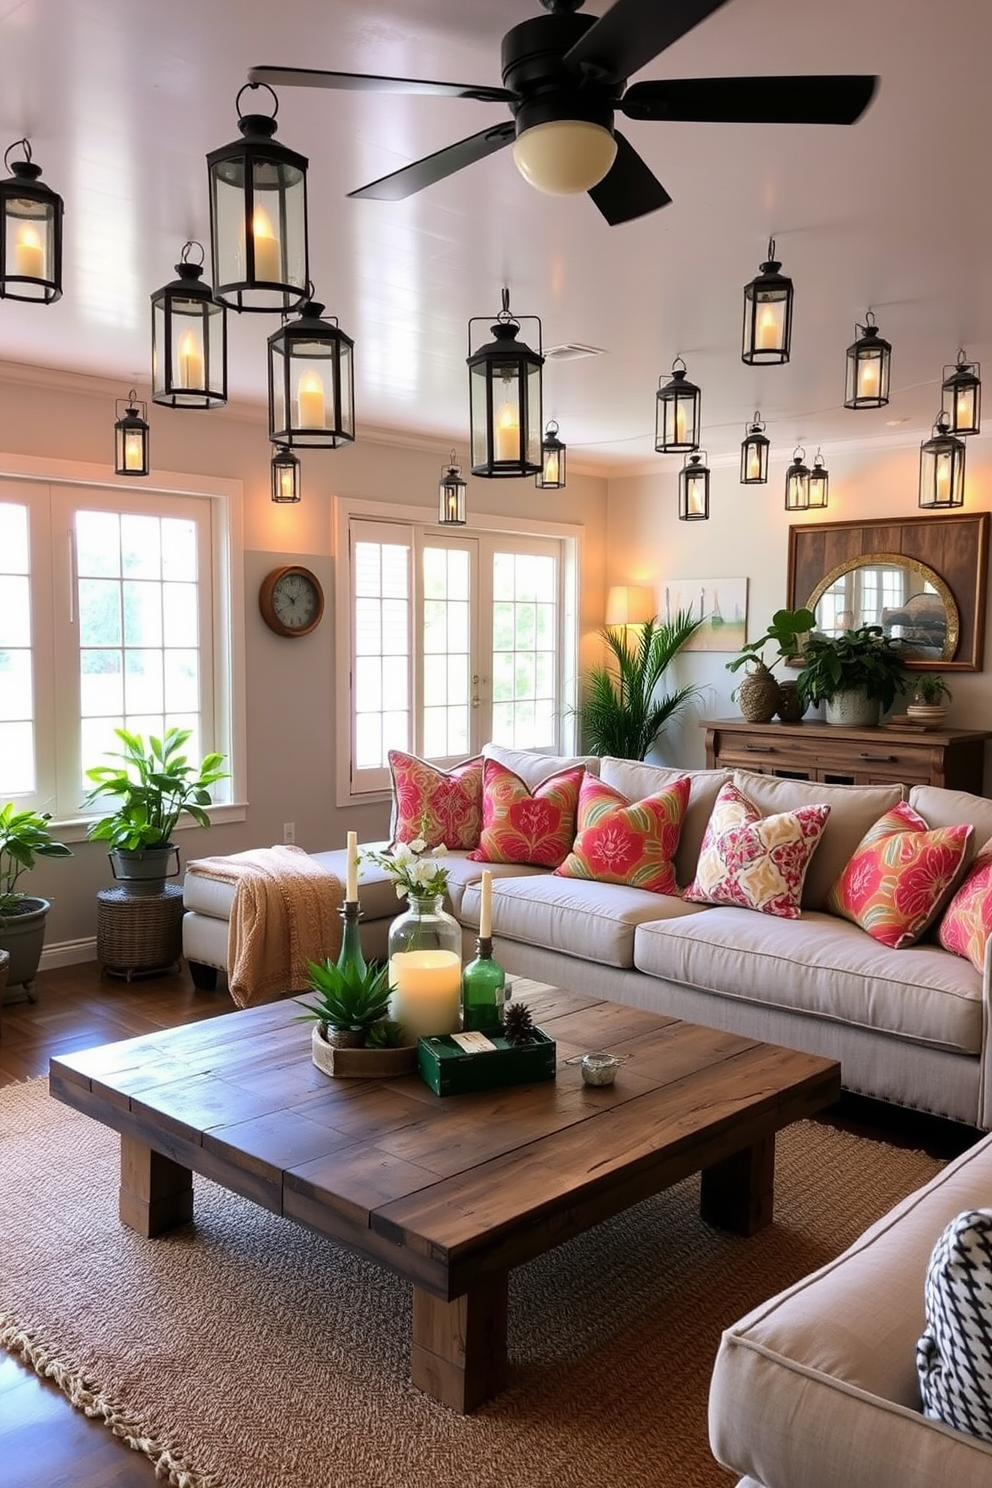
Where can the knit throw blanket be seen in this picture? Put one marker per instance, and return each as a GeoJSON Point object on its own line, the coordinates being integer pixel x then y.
{"type": "Point", "coordinates": [285, 913]}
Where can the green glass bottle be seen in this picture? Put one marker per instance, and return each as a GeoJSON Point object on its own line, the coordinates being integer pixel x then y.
{"type": "Point", "coordinates": [350, 959]}
{"type": "Point", "coordinates": [483, 990]}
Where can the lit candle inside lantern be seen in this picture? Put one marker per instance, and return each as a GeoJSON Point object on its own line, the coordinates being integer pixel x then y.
{"type": "Point", "coordinates": [679, 423]}
{"type": "Point", "coordinates": [286, 485]}
{"type": "Point", "coordinates": [965, 414]}
{"type": "Point", "coordinates": [267, 253]}
{"type": "Point", "coordinates": [426, 992]}
{"type": "Point", "coordinates": [351, 878]}
{"type": "Point", "coordinates": [868, 379]}
{"type": "Point", "coordinates": [133, 451]}
{"type": "Point", "coordinates": [310, 401]}
{"type": "Point", "coordinates": [753, 463]}
{"type": "Point", "coordinates": [486, 905]}
{"type": "Point", "coordinates": [190, 361]}
{"type": "Point", "coordinates": [551, 469]}
{"type": "Point", "coordinates": [942, 482]}
{"type": "Point", "coordinates": [507, 433]}
{"type": "Point", "coordinates": [29, 254]}
{"type": "Point", "coordinates": [695, 498]}
{"type": "Point", "coordinates": [767, 331]}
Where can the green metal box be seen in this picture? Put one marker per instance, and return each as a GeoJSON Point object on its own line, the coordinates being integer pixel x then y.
{"type": "Point", "coordinates": [449, 1070]}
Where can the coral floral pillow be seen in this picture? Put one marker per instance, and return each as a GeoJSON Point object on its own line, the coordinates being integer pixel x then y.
{"type": "Point", "coordinates": [444, 807]}
{"type": "Point", "coordinates": [524, 826]}
{"type": "Point", "coordinates": [899, 876]}
{"type": "Point", "coordinates": [625, 842]}
{"type": "Point", "coordinates": [967, 921]}
{"type": "Point", "coordinates": [754, 861]}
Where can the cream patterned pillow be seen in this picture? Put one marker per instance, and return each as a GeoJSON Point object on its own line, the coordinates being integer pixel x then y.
{"type": "Point", "coordinates": [754, 861]}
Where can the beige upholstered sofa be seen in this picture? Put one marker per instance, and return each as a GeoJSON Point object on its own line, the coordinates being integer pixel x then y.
{"type": "Point", "coordinates": [909, 1026]}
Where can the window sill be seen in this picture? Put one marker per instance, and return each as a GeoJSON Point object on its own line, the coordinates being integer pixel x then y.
{"type": "Point", "coordinates": [75, 828]}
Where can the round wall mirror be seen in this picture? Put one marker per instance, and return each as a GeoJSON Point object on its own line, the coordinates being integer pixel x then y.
{"type": "Point", "coordinates": [908, 599]}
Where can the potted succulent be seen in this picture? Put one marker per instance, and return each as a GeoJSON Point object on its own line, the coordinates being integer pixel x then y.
{"type": "Point", "coordinates": [354, 1034]}
{"type": "Point", "coordinates": [620, 714]}
{"type": "Point", "coordinates": [151, 786]}
{"type": "Point", "coordinates": [856, 674]}
{"type": "Point", "coordinates": [24, 837]}
{"type": "Point", "coordinates": [926, 704]}
{"type": "Point", "coordinates": [760, 695]}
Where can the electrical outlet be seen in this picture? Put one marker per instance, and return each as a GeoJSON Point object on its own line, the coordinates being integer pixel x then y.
{"type": "Point", "coordinates": [289, 832]}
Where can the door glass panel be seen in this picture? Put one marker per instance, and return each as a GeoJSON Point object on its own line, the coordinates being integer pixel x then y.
{"type": "Point", "coordinates": [524, 660]}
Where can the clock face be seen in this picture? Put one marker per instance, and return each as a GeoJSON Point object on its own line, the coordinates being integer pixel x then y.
{"type": "Point", "coordinates": [291, 601]}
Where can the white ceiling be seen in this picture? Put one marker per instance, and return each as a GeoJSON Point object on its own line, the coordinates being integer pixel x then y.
{"type": "Point", "coordinates": [122, 100]}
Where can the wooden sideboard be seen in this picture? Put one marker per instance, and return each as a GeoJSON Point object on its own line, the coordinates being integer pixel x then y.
{"type": "Point", "coordinates": [954, 758]}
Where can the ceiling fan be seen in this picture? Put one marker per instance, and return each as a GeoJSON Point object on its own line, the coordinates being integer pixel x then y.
{"type": "Point", "coordinates": [564, 78]}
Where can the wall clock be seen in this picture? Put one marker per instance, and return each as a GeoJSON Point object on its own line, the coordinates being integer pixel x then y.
{"type": "Point", "coordinates": [291, 600]}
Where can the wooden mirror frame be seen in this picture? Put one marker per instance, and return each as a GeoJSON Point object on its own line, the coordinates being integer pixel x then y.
{"type": "Point", "coordinates": [955, 549]}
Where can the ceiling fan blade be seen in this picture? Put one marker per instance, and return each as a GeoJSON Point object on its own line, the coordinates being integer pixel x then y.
{"type": "Point", "coordinates": [632, 32]}
{"type": "Point", "coordinates": [433, 168]}
{"type": "Point", "coordinates": [763, 100]}
{"type": "Point", "coordinates": [364, 82]}
{"type": "Point", "coordinates": [629, 189]}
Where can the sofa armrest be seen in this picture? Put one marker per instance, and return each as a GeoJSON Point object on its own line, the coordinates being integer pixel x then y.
{"type": "Point", "coordinates": [985, 1053]}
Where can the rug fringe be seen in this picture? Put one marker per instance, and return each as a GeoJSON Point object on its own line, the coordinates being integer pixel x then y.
{"type": "Point", "coordinates": [84, 1394]}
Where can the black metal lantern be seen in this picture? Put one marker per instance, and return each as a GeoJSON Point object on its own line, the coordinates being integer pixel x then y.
{"type": "Point", "coordinates": [504, 380]}
{"type": "Point", "coordinates": [767, 315]}
{"type": "Point", "coordinates": [551, 476]}
{"type": "Point", "coordinates": [819, 484]}
{"type": "Point", "coordinates": [451, 496]}
{"type": "Point", "coordinates": [31, 241]}
{"type": "Point", "coordinates": [962, 396]}
{"type": "Point", "coordinates": [754, 454]}
{"type": "Point", "coordinates": [941, 468]}
{"type": "Point", "coordinates": [868, 358]}
{"type": "Point", "coordinates": [131, 444]}
{"type": "Point", "coordinates": [311, 382]}
{"type": "Point", "coordinates": [677, 413]}
{"type": "Point", "coordinates": [694, 489]}
{"type": "Point", "coordinates": [258, 218]}
{"type": "Point", "coordinates": [797, 482]}
{"type": "Point", "coordinates": [189, 340]}
{"type": "Point", "coordinates": [285, 476]}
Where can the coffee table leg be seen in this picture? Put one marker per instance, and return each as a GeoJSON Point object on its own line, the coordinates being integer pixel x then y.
{"type": "Point", "coordinates": [156, 1193]}
{"type": "Point", "coordinates": [459, 1348]}
{"type": "Point", "coordinates": [738, 1193]}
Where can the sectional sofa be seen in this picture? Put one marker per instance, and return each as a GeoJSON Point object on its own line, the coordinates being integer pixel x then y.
{"type": "Point", "coordinates": [909, 1026]}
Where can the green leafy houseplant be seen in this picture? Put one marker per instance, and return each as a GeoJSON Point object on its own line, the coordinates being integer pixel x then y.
{"type": "Point", "coordinates": [930, 690]}
{"type": "Point", "coordinates": [24, 836]}
{"type": "Point", "coordinates": [863, 659]}
{"type": "Point", "coordinates": [620, 714]}
{"type": "Point", "coordinates": [152, 786]}
{"type": "Point", "coordinates": [349, 1003]}
{"type": "Point", "coordinates": [788, 630]}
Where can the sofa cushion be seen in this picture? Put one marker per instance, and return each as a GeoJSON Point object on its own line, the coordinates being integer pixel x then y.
{"type": "Point", "coordinates": [444, 807]}
{"type": "Point", "coordinates": [756, 862]}
{"type": "Point", "coordinates": [520, 825]}
{"type": "Point", "coordinates": [532, 766]}
{"type": "Point", "coordinates": [637, 780]}
{"type": "Point", "coordinates": [946, 808]}
{"type": "Point", "coordinates": [853, 809]}
{"type": "Point", "coordinates": [822, 966]}
{"type": "Point", "coordinates": [954, 1355]}
{"type": "Point", "coordinates": [627, 842]}
{"type": "Point", "coordinates": [967, 921]}
{"type": "Point", "coordinates": [900, 876]}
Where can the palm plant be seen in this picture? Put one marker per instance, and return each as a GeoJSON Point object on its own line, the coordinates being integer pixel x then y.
{"type": "Point", "coordinates": [620, 713]}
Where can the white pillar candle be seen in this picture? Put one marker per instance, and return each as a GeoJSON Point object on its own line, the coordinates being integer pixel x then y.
{"type": "Point", "coordinates": [267, 252]}
{"type": "Point", "coordinates": [507, 433]}
{"type": "Point", "coordinates": [310, 402]}
{"type": "Point", "coordinates": [190, 361]}
{"type": "Point", "coordinates": [426, 992]}
{"type": "Point", "coordinates": [486, 905]}
{"type": "Point", "coordinates": [29, 254]}
{"type": "Point", "coordinates": [351, 879]}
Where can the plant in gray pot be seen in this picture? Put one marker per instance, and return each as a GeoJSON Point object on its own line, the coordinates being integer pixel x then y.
{"type": "Point", "coordinates": [857, 674]}
{"type": "Point", "coordinates": [152, 785]}
{"type": "Point", "coordinates": [24, 837]}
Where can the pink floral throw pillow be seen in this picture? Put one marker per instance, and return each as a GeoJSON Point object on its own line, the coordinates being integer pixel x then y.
{"type": "Point", "coordinates": [524, 826]}
{"type": "Point", "coordinates": [967, 921]}
{"type": "Point", "coordinates": [443, 806]}
{"type": "Point", "coordinates": [625, 842]}
{"type": "Point", "coordinates": [754, 861]}
{"type": "Point", "coordinates": [899, 876]}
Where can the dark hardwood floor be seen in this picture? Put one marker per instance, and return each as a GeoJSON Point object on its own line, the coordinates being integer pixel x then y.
{"type": "Point", "coordinates": [44, 1442]}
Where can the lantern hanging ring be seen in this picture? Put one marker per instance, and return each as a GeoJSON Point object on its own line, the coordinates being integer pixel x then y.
{"type": "Point", "coordinates": [675, 364]}
{"type": "Point", "coordinates": [188, 248]}
{"type": "Point", "coordinates": [506, 316]}
{"type": "Point", "coordinates": [275, 99]}
{"type": "Point", "coordinates": [27, 152]}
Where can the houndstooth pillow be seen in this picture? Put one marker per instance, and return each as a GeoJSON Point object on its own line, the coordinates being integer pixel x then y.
{"type": "Point", "coordinates": [954, 1356]}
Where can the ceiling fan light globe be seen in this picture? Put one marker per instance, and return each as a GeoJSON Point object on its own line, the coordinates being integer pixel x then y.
{"type": "Point", "coordinates": [564, 156]}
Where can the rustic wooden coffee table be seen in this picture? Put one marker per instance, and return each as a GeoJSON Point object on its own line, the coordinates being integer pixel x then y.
{"type": "Point", "coordinates": [449, 1193]}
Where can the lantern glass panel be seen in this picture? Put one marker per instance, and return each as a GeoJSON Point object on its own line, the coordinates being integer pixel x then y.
{"type": "Point", "coordinates": [29, 247]}
{"type": "Point", "coordinates": [867, 383]}
{"type": "Point", "coordinates": [189, 351]}
{"type": "Point", "coordinates": [797, 488]}
{"type": "Point", "coordinates": [767, 323]}
{"type": "Point", "coordinates": [676, 428]}
{"type": "Point", "coordinates": [941, 474]}
{"type": "Point", "coordinates": [258, 230]}
{"type": "Point", "coordinates": [818, 488]}
{"type": "Point", "coordinates": [131, 446]}
{"type": "Point", "coordinates": [962, 403]}
{"type": "Point", "coordinates": [754, 460]}
{"type": "Point", "coordinates": [451, 500]}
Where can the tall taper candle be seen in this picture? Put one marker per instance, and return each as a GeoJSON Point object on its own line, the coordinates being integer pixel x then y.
{"type": "Point", "coordinates": [486, 906]}
{"type": "Point", "coordinates": [351, 881]}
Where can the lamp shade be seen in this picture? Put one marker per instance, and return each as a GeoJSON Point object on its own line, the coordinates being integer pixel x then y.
{"type": "Point", "coordinates": [451, 506]}
{"type": "Point", "coordinates": [189, 340]}
{"type": "Point", "coordinates": [551, 476]}
{"type": "Point", "coordinates": [630, 604]}
{"type": "Point", "coordinates": [941, 468]}
{"type": "Point", "coordinates": [868, 358]}
{"type": "Point", "coordinates": [754, 454]}
{"type": "Point", "coordinates": [677, 413]}
{"type": "Point", "coordinates": [767, 335]}
{"type": "Point", "coordinates": [285, 477]}
{"type": "Point", "coordinates": [505, 390]}
{"type": "Point", "coordinates": [30, 233]}
{"type": "Point", "coordinates": [961, 393]}
{"type": "Point", "coordinates": [131, 441]}
{"type": "Point", "coordinates": [311, 382]}
{"type": "Point", "coordinates": [797, 483]}
{"type": "Point", "coordinates": [694, 489]}
{"type": "Point", "coordinates": [564, 156]}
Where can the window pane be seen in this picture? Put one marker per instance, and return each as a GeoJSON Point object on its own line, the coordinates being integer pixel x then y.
{"type": "Point", "coordinates": [525, 670]}
{"type": "Point", "coordinates": [15, 686]}
{"type": "Point", "coordinates": [142, 614]}
{"type": "Point", "coordinates": [144, 689]}
{"type": "Point", "coordinates": [180, 614]}
{"type": "Point", "coordinates": [179, 558]}
{"type": "Point", "coordinates": [141, 553]}
{"type": "Point", "coordinates": [368, 687]}
{"type": "Point", "coordinates": [182, 680]}
{"type": "Point", "coordinates": [13, 538]}
{"type": "Point", "coordinates": [99, 612]}
{"type": "Point", "coordinates": [17, 775]}
{"type": "Point", "coordinates": [15, 614]}
{"type": "Point", "coordinates": [101, 683]}
{"type": "Point", "coordinates": [98, 544]}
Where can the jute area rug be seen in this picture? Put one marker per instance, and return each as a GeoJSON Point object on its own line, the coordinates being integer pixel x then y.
{"type": "Point", "coordinates": [244, 1352]}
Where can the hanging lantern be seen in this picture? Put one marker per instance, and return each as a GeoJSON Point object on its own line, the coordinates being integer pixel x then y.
{"type": "Point", "coordinates": [131, 445]}
{"type": "Point", "coordinates": [285, 476]}
{"type": "Point", "coordinates": [551, 476]}
{"type": "Point", "coordinates": [754, 454]}
{"type": "Point", "coordinates": [941, 468]}
{"type": "Point", "coordinates": [694, 489]}
{"type": "Point", "coordinates": [962, 396]}
{"type": "Point", "coordinates": [505, 399]}
{"type": "Point", "coordinates": [258, 218]}
{"type": "Point", "coordinates": [189, 340]}
{"type": "Point", "coordinates": [311, 382]}
{"type": "Point", "coordinates": [767, 315]}
{"type": "Point", "coordinates": [451, 496]}
{"type": "Point", "coordinates": [797, 483]}
{"type": "Point", "coordinates": [867, 384]}
{"type": "Point", "coordinates": [819, 484]}
{"type": "Point", "coordinates": [31, 241]}
{"type": "Point", "coordinates": [677, 413]}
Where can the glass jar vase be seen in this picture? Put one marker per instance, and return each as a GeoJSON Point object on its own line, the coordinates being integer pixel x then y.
{"type": "Point", "coordinates": [425, 969]}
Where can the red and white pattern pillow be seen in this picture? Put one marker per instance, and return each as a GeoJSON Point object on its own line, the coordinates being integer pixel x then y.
{"type": "Point", "coordinates": [899, 876]}
{"type": "Point", "coordinates": [443, 806]}
{"type": "Point", "coordinates": [754, 861]}
{"type": "Point", "coordinates": [967, 922]}
{"type": "Point", "coordinates": [523, 826]}
{"type": "Point", "coordinates": [624, 842]}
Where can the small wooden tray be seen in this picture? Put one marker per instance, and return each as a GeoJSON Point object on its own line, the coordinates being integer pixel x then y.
{"type": "Point", "coordinates": [362, 1064]}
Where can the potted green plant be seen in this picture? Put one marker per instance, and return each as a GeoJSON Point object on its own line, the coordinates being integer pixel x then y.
{"type": "Point", "coordinates": [926, 704]}
{"type": "Point", "coordinates": [151, 785]}
{"type": "Point", "coordinates": [856, 674]}
{"type": "Point", "coordinates": [761, 695]}
{"type": "Point", "coordinates": [620, 714]}
{"type": "Point", "coordinates": [24, 837]}
{"type": "Point", "coordinates": [354, 1034]}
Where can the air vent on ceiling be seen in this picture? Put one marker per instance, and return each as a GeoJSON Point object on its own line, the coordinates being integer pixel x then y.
{"type": "Point", "coordinates": [571, 351]}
